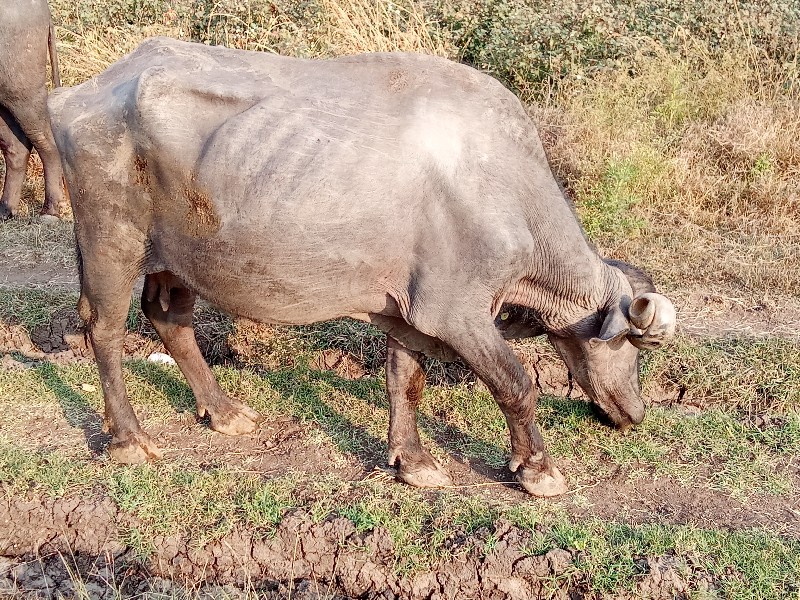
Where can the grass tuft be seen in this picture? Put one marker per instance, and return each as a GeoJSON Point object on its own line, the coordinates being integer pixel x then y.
{"type": "Point", "coordinates": [752, 375]}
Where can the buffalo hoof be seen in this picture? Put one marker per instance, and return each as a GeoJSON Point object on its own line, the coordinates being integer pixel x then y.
{"type": "Point", "coordinates": [231, 419]}
{"type": "Point", "coordinates": [5, 213]}
{"type": "Point", "coordinates": [418, 468]}
{"type": "Point", "coordinates": [425, 477]}
{"type": "Point", "coordinates": [542, 483]}
{"type": "Point", "coordinates": [135, 450]}
{"type": "Point", "coordinates": [47, 219]}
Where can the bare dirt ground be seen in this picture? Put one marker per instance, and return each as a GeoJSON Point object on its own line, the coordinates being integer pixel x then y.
{"type": "Point", "coordinates": [46, 545]}
{"type": "Point", "coordinates": [704, 313]}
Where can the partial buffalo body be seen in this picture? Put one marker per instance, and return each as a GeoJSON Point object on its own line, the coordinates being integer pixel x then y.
{"type": "Point", "coordinates": [403, 190]}
{"type": "Point", "coordinates": [26, 36]}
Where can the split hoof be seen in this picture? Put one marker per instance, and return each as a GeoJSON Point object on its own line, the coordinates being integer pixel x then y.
{"type": "Point", "coordinates": [542, 484]}
{"type": "Point", "coordinates": [234, 419]}
{"type": "Point", "coordinates": [48, 219]}
{"type": "Point", "coordinates": [418, 469]}
{"type": "Point", "coordinates": [426, 477]}
{"type": "Point", "coordinates": [135, 450]}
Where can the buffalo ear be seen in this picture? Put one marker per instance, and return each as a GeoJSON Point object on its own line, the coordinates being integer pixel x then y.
{"type": "Point", "coordinates": [615, 326]}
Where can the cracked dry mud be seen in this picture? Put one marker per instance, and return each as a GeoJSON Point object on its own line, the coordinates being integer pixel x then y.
{"type": "Point", "coordinates": [303, 559]}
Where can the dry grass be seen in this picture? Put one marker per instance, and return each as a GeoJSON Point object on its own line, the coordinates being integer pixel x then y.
{"type": "Point", "coordinates": [85, 53]}
{"type": "Point", "coordinates": [689, 167]}
{"type": "Point", "coordinates": [340, 27]}
{"type": "Point", "coordinates": [28, 244]}
{"type": "Point", "coordinates": [354, 26]}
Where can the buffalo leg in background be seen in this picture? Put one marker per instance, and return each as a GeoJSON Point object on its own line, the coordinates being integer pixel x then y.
{"type": "Point", "coordinates": [16, 149]}
{"type": "Point", "coordinates": [169, 306]}
{"type": "Point", "coordinates": [35, 122]}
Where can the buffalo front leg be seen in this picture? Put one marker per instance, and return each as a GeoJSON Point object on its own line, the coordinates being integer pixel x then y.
{"type": "Point", "coordinates": [16, 149]}
{"type": "Point", "coordinates": [169, 306]}
{"type": "Point", "coordinates": [405, 381]}
{"type": "Point", "coordinates": [490, 357]}
{"type": "Point", "coordinates": [105, 315]}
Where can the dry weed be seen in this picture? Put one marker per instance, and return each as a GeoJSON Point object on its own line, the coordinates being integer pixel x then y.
{"type": "Point", "coordinates": [354, 26]}
{"type": "Point", "coordinates": [86, 53]}
{"type": "Point", "coordinates": [694, 163]}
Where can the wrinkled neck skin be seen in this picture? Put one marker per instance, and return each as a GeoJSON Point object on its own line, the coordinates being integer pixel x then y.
{"type": "Point", "coordinates": [568, 295]}
{"type": "Point", "coordinates": [573, 315]}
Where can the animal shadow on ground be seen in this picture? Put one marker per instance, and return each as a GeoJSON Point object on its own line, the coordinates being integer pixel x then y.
{"type": "Point", "coordinates": [370, 450]}
{"type": "Point", "coordinates": [77, 411]}
{"type": "Point", "coordinates": [167, 381]}
{"type": "Point", "coordinates": [454, 441]}
{"type": "Point", "coordinates": [301, 393]}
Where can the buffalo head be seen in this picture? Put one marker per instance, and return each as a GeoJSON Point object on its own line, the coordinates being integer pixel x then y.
{"type": "Point", "coordinates": [601, 350]}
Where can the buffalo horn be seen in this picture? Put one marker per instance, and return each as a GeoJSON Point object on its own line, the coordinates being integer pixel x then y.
{"type": "Point", "coordinates": [654, 315]}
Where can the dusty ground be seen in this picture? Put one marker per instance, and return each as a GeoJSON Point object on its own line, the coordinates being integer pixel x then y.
{"type": "Point", "coordinates": [46, 545]}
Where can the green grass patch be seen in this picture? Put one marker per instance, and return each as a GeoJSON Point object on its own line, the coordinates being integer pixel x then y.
{"type": "Point", "coordinates": [606, 208]}
{"type": "Point", "coordinates": [43, 471]}
{"type": "Point", "coordinates": [31, 307]}
{"type": "Point", "coordinates": [721, 448]}
{"type": "Point", "coordinates": [205, 505]}
{"type": "Point", "coordinates": [741, 564]}
{"type": "Point", "coordinates": [751, 375]}
{"type": "Point", "coordinates": [717, 447]}
{"type": "Point", "coordinates": [403, 513]}
{"type": "Point", "coordinates": [265, 503]}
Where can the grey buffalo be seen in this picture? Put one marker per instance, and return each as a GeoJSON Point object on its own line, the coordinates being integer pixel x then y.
{"type": "Point", "coordinates": [403, 190]}
{"type": "Point", "coordinates": [26, 36]}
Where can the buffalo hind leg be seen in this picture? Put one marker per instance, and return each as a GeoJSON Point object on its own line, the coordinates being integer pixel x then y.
{"type": "Point", "coordinates": [405, 380]}
{"type": "Point", "coordinates": [169, 305]}
{"type": "Point", "coordinates": [105, 312]}
{"type": "Point", "coordinates": [16, 149]}
{"type": "Point", "coordinates": [34, 120]}
{"type": "Point", "coordinates": [489, 356]}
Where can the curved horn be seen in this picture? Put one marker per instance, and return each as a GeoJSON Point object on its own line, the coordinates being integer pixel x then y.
{"type": "Point", "coordinates": [642, 310]}
{"type": "Point", "coordinates": [654, 314]}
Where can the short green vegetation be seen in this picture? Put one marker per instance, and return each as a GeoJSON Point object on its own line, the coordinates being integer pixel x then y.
{"type": "Point", "coordinates": [751, 375]}
{"type": "Point", "coordinates": [722, 447]}
{"type": "Point", "coordinates": [201, 506]}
